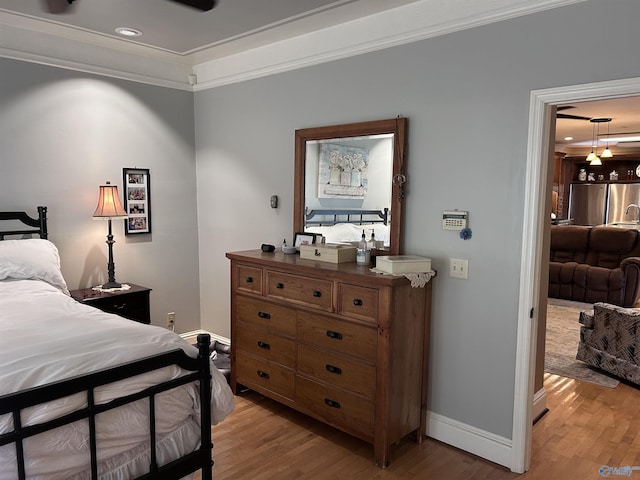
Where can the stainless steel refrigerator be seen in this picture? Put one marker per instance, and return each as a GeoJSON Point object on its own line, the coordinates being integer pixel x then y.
{"type": "Point", "coordinates": [588, 203]}
{"type": "Point", "coordinates": [621, 195]}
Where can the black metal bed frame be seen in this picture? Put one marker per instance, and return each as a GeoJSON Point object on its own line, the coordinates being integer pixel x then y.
{"type": "Point", "coordinates": [39, 223]}
{"type": "Point", "coordinates": [14, 403]}
{"type": "Point", "coordinates": [346, 216]}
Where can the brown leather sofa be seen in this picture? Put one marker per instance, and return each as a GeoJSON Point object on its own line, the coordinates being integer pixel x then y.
{"type": "Point", "coordinates": [595, 264]}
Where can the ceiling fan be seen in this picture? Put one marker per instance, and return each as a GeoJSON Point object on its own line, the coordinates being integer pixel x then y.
{"type": "Point", "coordinates": [567, 116]}
{"type": "Point", "coordinates": [61, 6]}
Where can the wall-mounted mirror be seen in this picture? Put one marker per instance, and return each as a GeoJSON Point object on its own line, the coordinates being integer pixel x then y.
{"type": "Point", "coordinates": [350, 178]}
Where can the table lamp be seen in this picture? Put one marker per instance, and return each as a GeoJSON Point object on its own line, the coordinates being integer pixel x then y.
{"type": "Point", "coordinates": [109, 207]}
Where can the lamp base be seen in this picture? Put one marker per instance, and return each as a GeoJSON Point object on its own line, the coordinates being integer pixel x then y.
{"type": "Point", "coordinates": [111, 285]}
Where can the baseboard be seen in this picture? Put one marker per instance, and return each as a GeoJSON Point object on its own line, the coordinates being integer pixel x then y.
{"type": "Point", "coordinates": [539, 405]}
{"type": "Point", "coordinates": [192, 337]}
{"type": "Point", "coordinates": [487, 445]}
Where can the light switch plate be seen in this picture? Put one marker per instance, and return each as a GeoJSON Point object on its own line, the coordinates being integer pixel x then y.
{"type": "Point", "coordinates": [459, 268]}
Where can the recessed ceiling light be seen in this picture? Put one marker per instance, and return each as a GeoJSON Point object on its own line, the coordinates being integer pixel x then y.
{"type": "Point", "coordinates": [568, 139]}
{"type": "Point", "coordinates": [128, 31]}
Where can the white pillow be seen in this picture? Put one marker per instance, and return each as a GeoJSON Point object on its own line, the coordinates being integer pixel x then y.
{"type": "Point", "coordinates": [31, 258]}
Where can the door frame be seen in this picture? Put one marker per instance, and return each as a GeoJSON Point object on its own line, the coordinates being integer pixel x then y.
{"type": "Point", "coordinates": [539, 146]}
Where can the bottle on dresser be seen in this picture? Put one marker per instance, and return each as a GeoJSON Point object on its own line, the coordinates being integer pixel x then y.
{"type": "Point", "coordinates": [363, 255]}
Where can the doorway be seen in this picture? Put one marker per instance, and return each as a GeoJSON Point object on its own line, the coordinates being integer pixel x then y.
{"type": "Point", "coordinates": [535, 229]}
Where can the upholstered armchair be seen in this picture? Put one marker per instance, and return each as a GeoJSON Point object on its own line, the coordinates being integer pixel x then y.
{"type": "Point", "coordinates": [610, 340]}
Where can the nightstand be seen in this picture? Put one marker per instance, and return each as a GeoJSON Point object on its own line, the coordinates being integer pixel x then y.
{"type": "Point", "coordinates": [132, 304]}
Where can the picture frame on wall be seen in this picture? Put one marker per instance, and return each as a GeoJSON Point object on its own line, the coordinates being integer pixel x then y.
{"type": "Point", "coordinates": [137, 200]}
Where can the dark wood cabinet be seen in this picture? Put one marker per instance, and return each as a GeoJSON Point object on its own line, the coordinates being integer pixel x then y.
{"type": "Point", "coordinates": [335, 341]}
{"type": "Point", "coordinates": [132, 304]}
{"type": "Point", "coordinates": [567, 168]}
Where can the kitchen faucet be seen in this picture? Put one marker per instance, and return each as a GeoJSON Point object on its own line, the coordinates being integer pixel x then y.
{"type": "Point", "coordinates": [626, 212]}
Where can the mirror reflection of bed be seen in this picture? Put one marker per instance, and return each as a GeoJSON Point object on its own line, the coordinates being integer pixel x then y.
{"type": "Point", "coordinates": [358, 171]}
{"type": "Point", "coordinates": [347, 226]}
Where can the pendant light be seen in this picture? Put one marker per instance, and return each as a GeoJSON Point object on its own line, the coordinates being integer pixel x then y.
{"type": "Point", "coordinates": [597, 160]}
{"type": "Point", "coordinates": [592, 156]}
{"type": "Point", "coordinates": [606, 153]}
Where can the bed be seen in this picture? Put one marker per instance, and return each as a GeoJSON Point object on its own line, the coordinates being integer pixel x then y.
{"type": "Point", "coordinates": [86, 394]}
{"type": "Point", "coordinates": [346, 225]}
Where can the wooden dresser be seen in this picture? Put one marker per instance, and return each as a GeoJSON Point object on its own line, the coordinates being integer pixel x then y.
{"type": "Point", "coordinates": [334, 341]}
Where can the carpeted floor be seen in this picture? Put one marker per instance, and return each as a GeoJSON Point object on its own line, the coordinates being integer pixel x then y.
{"type": "Point", "coordinates": [561, 345]}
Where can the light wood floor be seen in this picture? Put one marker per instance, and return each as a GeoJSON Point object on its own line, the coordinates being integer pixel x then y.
{"type": "Point", "coordinates": [587, 426]}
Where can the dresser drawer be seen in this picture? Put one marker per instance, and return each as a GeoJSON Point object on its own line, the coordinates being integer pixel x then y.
{"type": "Point", "coordinates": [271, 317]}
{"type": "Point", "coordinates": [358, 302]}
{"type": "Point", "coordinates": [352, 375]}
{"type": "Point", "coordinates": [302, 290]}
{"type": "Point", "coordinates": [342, 409]}
{"type": "Point", "coordinates": [343, 337]}
{"type": "Point", "coordinates": [265, 345]}
{"type": "Point", "coordinates": [249, 279]}
{"type": "Point", "coordinates": [251, 372]}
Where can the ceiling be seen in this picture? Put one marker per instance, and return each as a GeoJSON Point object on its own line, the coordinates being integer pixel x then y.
{"type": "Point", "coordinates": [172, 30]}
{"type": "Point", "coordinates": [231, 26]}
{"type": "Point", "coordinates": [624, 125]}
{"type": "Point", "coordinates": [185, 48]}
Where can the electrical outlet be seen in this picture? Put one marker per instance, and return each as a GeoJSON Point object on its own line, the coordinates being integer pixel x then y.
{"type": "Point", "coordinates": [459, 268]}
{"type": "Point", "coordinates": [171, 320]}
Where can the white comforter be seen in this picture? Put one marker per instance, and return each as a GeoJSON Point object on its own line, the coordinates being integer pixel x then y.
{"type": "Point", "coordinates": [46, 336]}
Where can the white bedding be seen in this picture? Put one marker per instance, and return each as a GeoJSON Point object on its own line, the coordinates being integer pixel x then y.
{"type": "Point", "coordinates": [349, 232]}
{"type": "Point", "coordinates": [48, 336]}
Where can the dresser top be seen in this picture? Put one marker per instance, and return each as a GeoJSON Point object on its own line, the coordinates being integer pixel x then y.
{"type": "Point", "coordinates": [295, 264]}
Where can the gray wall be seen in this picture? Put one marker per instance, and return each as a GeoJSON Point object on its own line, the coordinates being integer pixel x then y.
{"type": "Point", "coordinates": [62, 134]}
{"type": "Point", "coordinates": [467, 99]}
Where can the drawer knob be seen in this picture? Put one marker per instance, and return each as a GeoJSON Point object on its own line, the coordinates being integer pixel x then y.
{"type": "Point", "coordinates": [331, 403]}
{"type": "Point", "coordinates": [317, 293]}
{"type": "Point", "coordinates": [262, 374]}
{"type": "Point", "coordinates": [264, 345]}
{"type": "Point", "coordinates": [264, 315]}
{"type": "Point", "coordinates": [357, 302]}
{"type": "Point", "coordinates": [335, 335]}
{"type": "Point", "coordinates": [280, 285]}
{"type": "Point", "coordinates": [332, 369]}
{"type": "Point", "coordinates": [249, 280]}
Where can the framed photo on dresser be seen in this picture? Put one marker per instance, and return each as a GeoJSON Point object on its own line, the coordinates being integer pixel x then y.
{"type": "Point", "coordinates": [137, 200]}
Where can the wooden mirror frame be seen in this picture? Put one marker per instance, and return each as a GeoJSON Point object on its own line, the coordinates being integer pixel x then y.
{"type": "Point", "coordinates": [396, 126]}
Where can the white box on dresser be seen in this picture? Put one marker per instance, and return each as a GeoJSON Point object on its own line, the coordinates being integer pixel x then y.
{"type": "Point", "coordinates": [335, 341]}
{"type": "Point", "coordinates": [329, 252]}
{"type": "Point", "coordinates": [398, 264]}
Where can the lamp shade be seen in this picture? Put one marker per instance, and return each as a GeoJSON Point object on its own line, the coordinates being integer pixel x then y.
{"type": "Point", "coordinates": [109, 205]}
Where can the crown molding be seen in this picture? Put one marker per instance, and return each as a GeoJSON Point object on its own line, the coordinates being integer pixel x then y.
{"type": "Point", "coordinates": [406, 24]}
{"type": "Point", "coordinates": [29, 40]}
{"type": "Point", "coordinates": [75, 49]}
